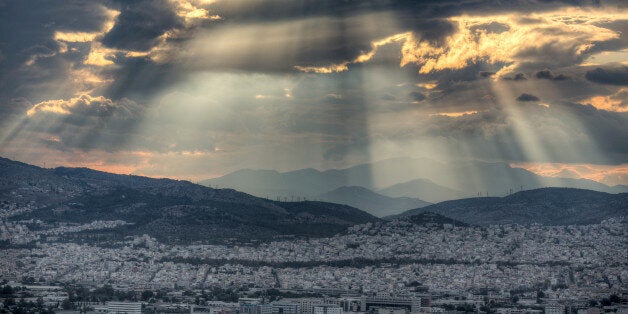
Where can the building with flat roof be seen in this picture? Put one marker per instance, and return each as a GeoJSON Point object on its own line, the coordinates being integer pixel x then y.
{"type": "Point", "coordinates": [327, 309]}
{"type": "Point", "coordinates": [124, 307]}
{"type": "Point", "coordinates": [410, 303]}
{"type": "Point", "coordinates": [554, 309]}
{"type": "Point", "coordinates": [286, 308]}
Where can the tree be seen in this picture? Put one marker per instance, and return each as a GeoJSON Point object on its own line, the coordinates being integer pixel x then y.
{"type": "Point", "coordinates": [6, 291]}
{"type": "Point", "coordinates": [147, 295]}
{"type": "Point", "coordinates": [40, 303]}
{"type": "Point", "coordinates": [9, 302]}
{"type": "Point", "coordinates": [66, 304]}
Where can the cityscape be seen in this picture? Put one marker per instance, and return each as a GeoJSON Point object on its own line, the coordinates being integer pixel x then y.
{"type": "Point", "coordinates": [430, 267]}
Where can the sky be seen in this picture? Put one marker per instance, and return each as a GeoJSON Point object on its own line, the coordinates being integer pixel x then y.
{"type": "Point", "coordinates": [195, 89]}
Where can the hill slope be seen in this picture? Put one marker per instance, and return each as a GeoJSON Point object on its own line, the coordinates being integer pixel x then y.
{"type": "Point", "coordinates": [169, 210]}
{"type": "Point", "coordinates": [424, 189]}
{"type": "Point", "coordinates": [433, 219]}
{"type": "Point", "coordinates": [371, 202]}
{"type": "Point", "coordinates": [548, 206]}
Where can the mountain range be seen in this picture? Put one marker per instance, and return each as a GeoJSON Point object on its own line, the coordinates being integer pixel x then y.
{"type": "Point", "coordinates": [182, 212]}
{"type": "Point", "coordinates": [422, 178]}
{"type": "Point", "coordinates": [546, 206]}
{"type": "Point", "coordinates": [169, 210]}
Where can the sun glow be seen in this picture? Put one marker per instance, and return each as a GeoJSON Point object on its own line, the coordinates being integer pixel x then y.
{"type": "Point", "coordinates": [454, 114]}
{"type": "Point", "coordinates": [607, 174]}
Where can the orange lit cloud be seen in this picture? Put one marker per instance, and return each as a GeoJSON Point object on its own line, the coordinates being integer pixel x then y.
{"type": "Point", "coordinates": [324, 70]}
{"type": "Point", "coordinates": [615, 102]}
{"type": "Point", "coordinates": [60, 106]}
{"type": "Point", "coordinates": [428, 85]}
{"type": "Point", "coordinates": [607, 174]}
{"type": "Point", "coordinates": [568, 33]}
{"type": "Point", "coordinates": [454, 114]}
{"type": "Point", "coordinates": [192, 11]}
{"type": "Point", "coordinates": [98, 55]}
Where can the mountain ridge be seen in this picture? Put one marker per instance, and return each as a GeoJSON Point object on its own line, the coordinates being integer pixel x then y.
{"type": "Point", "coordinates": [548, 206]}
{"type": "Point", "coordinates": [452, 180]}
{"type": "Point", "coordinates": [371, 202]}
{"type": "Point", "coordinates": [170, 210]}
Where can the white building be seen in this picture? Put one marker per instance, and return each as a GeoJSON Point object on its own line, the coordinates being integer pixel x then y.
{"type": "Point", "coordinates": [554, 309]}
{"type": "Point", "coordinates": [327, 309]}
{"type": "Point", "coordinates": [124, 307]}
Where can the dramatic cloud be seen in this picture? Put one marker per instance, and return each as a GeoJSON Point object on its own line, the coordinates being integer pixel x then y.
{"type": "Point", "coordinates": [548, 75]}
{"type": "Point", "coordinates": [615, 102]}
{"type": "Point", "coordinates": [417, 96]}
{"type": "Point", "coordinates": [527, 97]}
{"type": "Point", "coordinates": [611, 76]}
{"type": "Point", "coordinates": [516, 77]}
{"type": "Point", "coordinates": [550, 37]}
{"type": "Point", "coordinates": [193, 89]}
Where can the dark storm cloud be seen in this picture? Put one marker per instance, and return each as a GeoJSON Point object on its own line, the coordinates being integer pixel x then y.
{"type": "Point", "coordinates": [485, 74]}
{"type": "Point", "coordinates": [260, 10]}
{"type": "Point", "coordinates": [450, 80]}
{"type": "Point", "coordinates": [527, 97]}
{"type": "Point", "coordinates": [26, 31]}
{"type": "Point", "coordinates": [548, 75]}
{"type": "Point", "coordinates": [545, 74]}
{"type": "Point", "coordinates": [344, 31]}
{"type": "Point", "coordinates": [616, 75]}
{"type": "Point", "coordinates": [140, 23]}
{"type": "Point", "coordinates": [492, 27]}
{"type": "Point", "coordinates": [417, 96]}
{"type": "Point", "coordinates": [516, 77]}
{"type": "Point", "coordinates": [432, 30]}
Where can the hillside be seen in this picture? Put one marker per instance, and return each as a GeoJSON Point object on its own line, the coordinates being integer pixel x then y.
{"type": "Point", "coordinates": [548, 206]}
{"type": "Point", "coordinates": [422, 188]}
{"type": "Point", "coordinates": [433, 219]}
{"type": "Point", "coordinates": [169, 210]}
{"type": "Point", "coordinates": [371, 202]}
